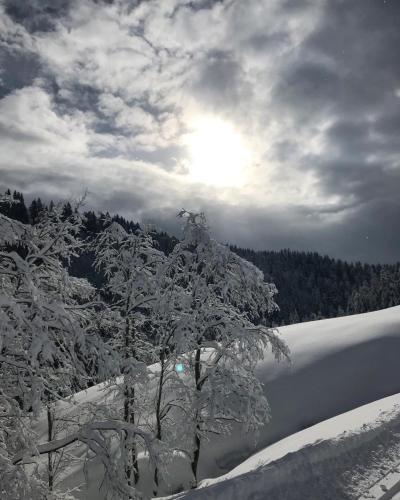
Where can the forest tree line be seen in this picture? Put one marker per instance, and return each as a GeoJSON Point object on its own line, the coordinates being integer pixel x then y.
{"type": "Point", "coordinates": [310, 286]}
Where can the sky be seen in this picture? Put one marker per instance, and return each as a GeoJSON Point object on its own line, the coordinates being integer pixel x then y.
{"type": "Point", "coordinates": [280, 119]}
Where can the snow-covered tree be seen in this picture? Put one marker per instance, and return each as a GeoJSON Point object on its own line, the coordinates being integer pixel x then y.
{"type": "Point", "coordinates": [129, 262]}
{"type": "Point", "coordinates": [46, 344]}
{"type": "Point", "coordinates": [202, 307]}
{"type": "Point", "coordinates": [167, 320]}
{"type": "Point", "coordinates": [221, 336]}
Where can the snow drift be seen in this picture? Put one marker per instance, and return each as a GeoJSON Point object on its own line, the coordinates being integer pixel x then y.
{"type": "Point", "coordinates": [337, 365]}
{"type": "Point", "coordinates": [352, 456]}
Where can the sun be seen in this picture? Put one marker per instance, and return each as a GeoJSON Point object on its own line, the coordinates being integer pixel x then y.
{"type": "Point", "coordinates": [218, 154]}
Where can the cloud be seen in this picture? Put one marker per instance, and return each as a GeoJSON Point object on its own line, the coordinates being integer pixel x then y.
{"type": "Point", "coordinates": [220, 81]}
{"type": "Point", "coordinates": [18, 70]}
{"type": "Point", "coordinates": [101, 94]}
{"type": "Point", "coordinates": [37, 130]}
{"type": "Point", "coordinates": [36, 15]}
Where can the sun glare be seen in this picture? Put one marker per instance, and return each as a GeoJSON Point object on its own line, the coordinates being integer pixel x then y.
{"type": "Point", "coordinates": [218, 154]}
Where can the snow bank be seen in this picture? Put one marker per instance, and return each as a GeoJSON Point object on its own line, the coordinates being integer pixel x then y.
{"type": "Point", "coordinates": [353, 455]}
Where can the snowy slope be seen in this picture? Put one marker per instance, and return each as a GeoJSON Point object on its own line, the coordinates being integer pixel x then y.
{"type": "Point", "coordinates": [353, 455]}
{"type": "Point", "coordinates": [337, 365]}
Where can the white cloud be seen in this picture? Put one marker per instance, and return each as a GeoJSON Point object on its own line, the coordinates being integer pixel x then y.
{"type": "Point", "coordinates": [29, 114]}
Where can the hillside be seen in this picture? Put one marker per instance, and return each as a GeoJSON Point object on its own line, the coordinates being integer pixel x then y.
{"type": "Point", "coordinates": [312, 286]}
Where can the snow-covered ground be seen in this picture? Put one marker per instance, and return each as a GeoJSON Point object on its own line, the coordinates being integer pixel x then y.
{"type": "Point", "coordinates": [337, 365]}
{"type": "Point", "coordinates": [355, 455]}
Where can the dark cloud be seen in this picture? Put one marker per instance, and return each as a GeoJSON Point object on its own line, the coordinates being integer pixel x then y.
{"type": "Point", "coordinates": [261, 42]}
{"type": "Point", "coordinates": [309, 87]}
{"type": "Point", "coordinates": [76, 96]}
{"type": "Point", "coordinates": [388, 125]}
{"type": "Point", "coordinates": [220, 81]}
{"type": "Point", "coordinates": [359, 38]}
{"type": "Point", "coordinates": [347, 73]}
{"type": "Point", "coordinates": [18, 69]}
{"type": "Point", "coordinates": [46, 183]}
{"type": "Point", "coordinates": [295, 5]}
{"type": "Point", "coordinates": [202, 4]}
{"type": "Point", "coordinates": [37, 15]}
{"type": "Point", "coordinates": [348, 131]}
{"type": "Point", "coordinates": [368, 234]}
{"type": "Point", "coordinates": [365, 181]}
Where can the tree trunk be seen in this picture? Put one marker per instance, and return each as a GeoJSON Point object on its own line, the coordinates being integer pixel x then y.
{"type": "Point", "coordinates": [50, 437]}
{"type": "Point", "coordinates": [158, 413]}
{"type": "Point", "coordinates": [131, 466]}
{"type": "Point", "coordinates": [196, 440]}
{"type": "Point", "coordinates": [196, 454]}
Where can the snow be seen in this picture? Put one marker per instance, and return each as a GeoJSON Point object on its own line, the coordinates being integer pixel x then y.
{"type": "Point", "coordinates": [320, 451]}
{"type": "Point", "coordinates": [338, 365]}
{"type": "Point", "coordinates": [349, 422]}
